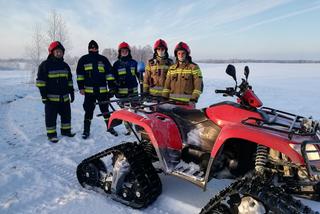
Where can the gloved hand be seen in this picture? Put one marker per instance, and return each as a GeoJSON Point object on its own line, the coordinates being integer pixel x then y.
{"type": "Point", "coordinates": [44, 100]}
{"type": "Point", "coordinates": [111, 93]}
{"type": "Point", "coordinates": [71, 97]}
{"type": "Point", "coordinates": [193, 100]}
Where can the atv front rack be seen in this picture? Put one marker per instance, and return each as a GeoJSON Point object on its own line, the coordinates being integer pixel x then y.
{"type": "Point", "coordinates": [310, 153]}
{"type": "Point", "coordinates": [284, 122]}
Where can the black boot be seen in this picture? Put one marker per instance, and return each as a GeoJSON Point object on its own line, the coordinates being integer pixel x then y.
{"type": "Point", "coordinates": [86, 129]}
{"type": "Point", "coordinates": [53, 139]}
{"type": "Point", "coordinates": [113, 132]}
{"type": "Point", "coordinates": [128, 128]}
{"type": "Point", "coordinates": [68, 134]}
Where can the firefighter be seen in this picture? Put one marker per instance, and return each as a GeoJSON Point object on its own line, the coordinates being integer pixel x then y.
{"type": "Point", "coordinates": [54, 81]}
{"type": "Point", "coordinates": [156, 69]}
{"type": "Point", "coordinates": [96, 82]}
{"type": "Point", "coordinates": [184, 79]}
{"type": "Point", "coordinates": [126, 75]}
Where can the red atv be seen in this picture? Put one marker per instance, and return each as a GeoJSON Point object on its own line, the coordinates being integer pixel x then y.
{"type": "Point", "coordinates": [271, 153]}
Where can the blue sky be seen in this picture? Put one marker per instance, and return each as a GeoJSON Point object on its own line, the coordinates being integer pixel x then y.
{"type": "Point", "coordinates": [259, 29]}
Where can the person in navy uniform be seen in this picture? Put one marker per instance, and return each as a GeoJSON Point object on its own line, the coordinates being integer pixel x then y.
{"type": "Point", "coordinates": [96, 82]}
{"type": "Point", "coordinates": [126, 75]}
{"type": "Point", "coordinates": [54, 80]}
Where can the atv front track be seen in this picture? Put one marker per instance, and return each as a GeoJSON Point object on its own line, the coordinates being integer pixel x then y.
{"type": "Point", "coordinates": [273, 199]}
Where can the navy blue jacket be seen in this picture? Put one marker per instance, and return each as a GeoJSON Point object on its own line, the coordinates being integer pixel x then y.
{"type": "Point", "coordinates": [94, 74]}
{"type": "Point", "coordinates": [54, 80]}
{"type": "Point", "coordinates": [126, 77]}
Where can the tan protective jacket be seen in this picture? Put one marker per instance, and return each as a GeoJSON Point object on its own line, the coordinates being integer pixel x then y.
{"type": "Point", "coordinates": [155, 75]}
{"type": "Point", "coordinates": [183, 82]}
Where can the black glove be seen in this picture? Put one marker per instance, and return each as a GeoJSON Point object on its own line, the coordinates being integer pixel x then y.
{"type": "Point", "coordinates": [111, 93]}
{"type": "Point", "coordinates": [72, 97]}
{"type": "Point", "coordinates": [193, 100]}
{"type": "Point", "coordinates": [44, 100]}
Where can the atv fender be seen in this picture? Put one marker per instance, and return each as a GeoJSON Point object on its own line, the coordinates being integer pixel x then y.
{"type": "Point", "coordinates": [161, 129]}
{"type": "Point", "coordinates": [257, 136]}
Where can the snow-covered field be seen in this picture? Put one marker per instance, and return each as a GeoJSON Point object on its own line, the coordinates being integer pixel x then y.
{"type": "Point", "coordinates": [39, 177]}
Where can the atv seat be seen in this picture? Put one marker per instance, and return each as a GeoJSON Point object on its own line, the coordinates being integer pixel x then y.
{"type": "Point", "coordinates": [190, 116]}
{"type": "Point", "coordinates": [194, 127]}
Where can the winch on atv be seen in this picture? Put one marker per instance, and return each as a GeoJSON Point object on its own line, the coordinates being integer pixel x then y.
{"type": "Point", "coordinates": [272, 154]}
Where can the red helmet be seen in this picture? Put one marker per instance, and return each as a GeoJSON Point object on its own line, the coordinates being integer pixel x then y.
{"type": "Point", "coordinates": [123, 45]}
{"type": "Point", "coordinates": [160, 43]}
{"type": "Point", "coordinates": [55, 45]}
{"type": "Point", "coordinates": [182, 46]}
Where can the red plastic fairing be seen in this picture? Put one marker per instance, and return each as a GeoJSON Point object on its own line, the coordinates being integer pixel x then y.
{"type": "Point", "coordinates": [252, 134]}
{"type": "Point", "coordinates": [228, 113]}
{"type": "Point", "coordinates": [161, 129]}
{"type": "Point", "coordinates": [252, 99]}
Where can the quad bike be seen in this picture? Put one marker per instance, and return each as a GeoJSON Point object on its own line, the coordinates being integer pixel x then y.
{"type": "Point", "coordinates": [272, 154]}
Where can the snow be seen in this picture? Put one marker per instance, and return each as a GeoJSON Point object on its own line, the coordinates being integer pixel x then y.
{"type": "Point", "coordinates": [39, 177]}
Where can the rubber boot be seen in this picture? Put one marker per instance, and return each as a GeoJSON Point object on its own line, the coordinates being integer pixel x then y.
{"type": "Point", "coordinates": [68, 134]}
{"type": "Point", "coordinates": [127, 125]}
{"type": "Point", "coordinates": [53, 139]}
{"type": "Point", "coordinates": [113, 132]}
{"type": "Point", "coordinates": [86, 129]}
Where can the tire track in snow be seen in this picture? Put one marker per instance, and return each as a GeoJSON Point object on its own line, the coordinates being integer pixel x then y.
{"type": "Point", "coordinates": [63, 179]}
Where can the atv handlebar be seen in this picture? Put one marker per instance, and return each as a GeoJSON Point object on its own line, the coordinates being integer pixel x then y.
{"type": "Point", "coordinates": [220, 91]}
{"type": "Point", "coordinates": [229, 91]}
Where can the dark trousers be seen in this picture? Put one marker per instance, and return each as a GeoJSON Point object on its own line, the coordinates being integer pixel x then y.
{"type": "Point", "coordinates": [90, 104]}
{"type": "Point", "coordinates": [52, 109]}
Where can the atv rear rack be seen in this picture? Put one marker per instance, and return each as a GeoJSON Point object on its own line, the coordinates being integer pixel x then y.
{"type": "Point", "coordinates": [141, 103]}
{"type": "Point", "coordinates": [284, 122]}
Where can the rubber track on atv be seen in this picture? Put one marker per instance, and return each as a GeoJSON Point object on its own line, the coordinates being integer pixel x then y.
{"type": "Point", "coordinates": [274, 198]}
{"type": "Point", "coordinates": [141, 168]}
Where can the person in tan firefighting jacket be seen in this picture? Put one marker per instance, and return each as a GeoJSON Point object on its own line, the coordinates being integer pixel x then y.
{"type": "Point", "coordinates": [54, 80]}
{"type": "Point", "coordinates": [184, 79]}
{"type": "Point", "coordinates": [156, 69]}
{"type": "Point", "coordinates": [96, 82]}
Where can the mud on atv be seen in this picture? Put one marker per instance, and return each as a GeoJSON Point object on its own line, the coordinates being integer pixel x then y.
{"type": "Point", "coordinates": [272, 154]}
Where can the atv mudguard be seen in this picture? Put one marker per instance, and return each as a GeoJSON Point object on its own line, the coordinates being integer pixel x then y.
{"type": "Point", "coordinates": [161, 129]}
{"type": "Point", "coordinates": [258, 136]}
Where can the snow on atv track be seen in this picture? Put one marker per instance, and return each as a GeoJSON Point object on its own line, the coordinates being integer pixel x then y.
{"type": "Point", "coordinates": [39, 177]}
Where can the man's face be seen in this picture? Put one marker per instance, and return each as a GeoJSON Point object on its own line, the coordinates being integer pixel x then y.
{"type": "Point", "coordinates": [161, 51]}
{"type": "Point", "coordinates": [58, 53]}
{"type": "Point", "coordinates": [181, 55]}
{"type": "Point", "coordinates": [124, 52]}
{"type": "Point", "coordinates": [93, 49]}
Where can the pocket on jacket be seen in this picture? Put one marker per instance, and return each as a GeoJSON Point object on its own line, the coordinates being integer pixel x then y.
{"type": "Point", "coordinates": [174, 77]}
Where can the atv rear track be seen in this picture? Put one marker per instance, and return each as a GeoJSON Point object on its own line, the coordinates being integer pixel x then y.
{"type": "Point", "coordinates": [138, 184]}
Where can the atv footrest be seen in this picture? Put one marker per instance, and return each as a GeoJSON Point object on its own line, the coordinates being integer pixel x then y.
{"type": "Point", "coordinates": [191, 174]}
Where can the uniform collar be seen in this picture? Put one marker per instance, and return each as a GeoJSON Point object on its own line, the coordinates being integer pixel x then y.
{"type": "Point", "coordinates": [125, 58]}
{"type": "Point", "coordinates": [52, 58]}
{"type": "Point", "coordinates": [183, 64]}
